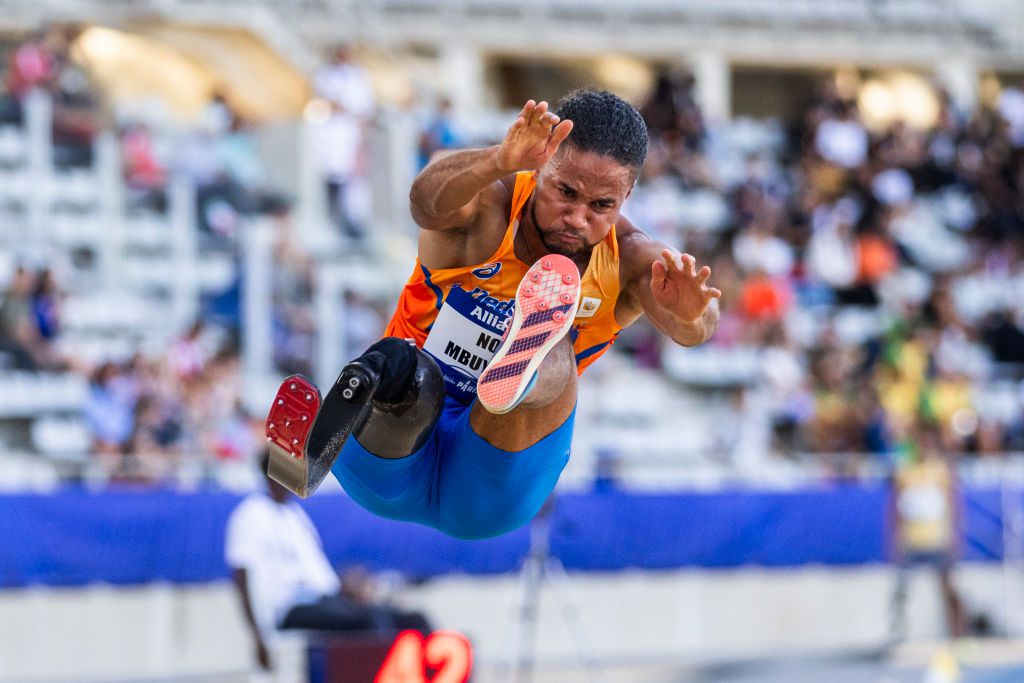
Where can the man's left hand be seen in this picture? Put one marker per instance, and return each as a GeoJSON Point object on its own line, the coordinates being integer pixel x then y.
{"type": "Point", "coordinates": [679, 288]}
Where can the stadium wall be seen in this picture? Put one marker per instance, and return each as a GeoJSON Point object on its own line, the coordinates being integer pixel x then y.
{"type": "Point", "coordinates": [683, 618]}
{"type": "Point", "coordinates": [78, 536]}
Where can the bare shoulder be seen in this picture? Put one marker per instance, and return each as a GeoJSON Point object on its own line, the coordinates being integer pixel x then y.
{"type": "Point", "coordinates": [637, 251]}
{"type": "Point", "coordinates": [476, 241]}
{"type": "Point", "coordinates": [496, 198]}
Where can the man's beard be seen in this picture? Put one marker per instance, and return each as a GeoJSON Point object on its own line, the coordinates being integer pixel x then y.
{"type": "Point", "coordinates": [562, 249]}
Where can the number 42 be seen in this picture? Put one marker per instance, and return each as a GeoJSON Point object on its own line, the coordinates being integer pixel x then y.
{"type": "Point", "coordinates": [446, 652]}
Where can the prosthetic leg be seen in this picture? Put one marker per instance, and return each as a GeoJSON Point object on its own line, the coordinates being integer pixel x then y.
{"type": "Point", "coordinates": [390, 398]}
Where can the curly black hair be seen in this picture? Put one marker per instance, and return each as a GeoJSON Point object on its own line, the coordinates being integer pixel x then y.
{"type": "Point", "coordinates": [604, 123]}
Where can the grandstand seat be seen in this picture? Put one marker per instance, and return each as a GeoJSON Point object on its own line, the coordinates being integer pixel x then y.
{"type": "Point", "coordinates": [111, 313]}
{"type": "Point", "coordinates": [30, 395]}
{"type": "Point", "coordinates": [96, 346]}
{"type": "Point", "coordinates": [21, 473]}
{"type": "Point", "coordinates": [26, 398]}
{"type": "Point", "coordinates": [13, 147]}
{"type": "Point", "coordinates": [856, 325]}
{"type": "Point", "coordinates": [713, 365]}
{"type": "Point", "coordinates": [148, 231]}
{"type": "Point", "coordinates": [61, 438]}
{"type": "Point", "coordinates": [76, 189]}
{"type": "Point", "coordinates": [703, 209]}
{"type": "Point", "coordinates": [14, 185]}
{"type": "Point", "coordinates": [71, 230]}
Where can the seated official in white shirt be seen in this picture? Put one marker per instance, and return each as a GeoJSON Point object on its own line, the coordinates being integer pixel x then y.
{"type": "Point", "coordinates": [284, 579]}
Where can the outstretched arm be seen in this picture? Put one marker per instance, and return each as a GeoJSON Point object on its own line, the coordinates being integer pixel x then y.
{"type": "Point", "coordinates": [447, 193]}
{"type": "Point", "coordinates": [674, 295]}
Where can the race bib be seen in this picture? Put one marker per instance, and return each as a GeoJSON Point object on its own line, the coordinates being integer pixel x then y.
{"type": "Point", "coordinates": [464, 338]}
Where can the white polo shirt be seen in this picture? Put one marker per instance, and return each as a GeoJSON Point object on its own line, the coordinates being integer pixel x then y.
{"type": "Point", "coordinates": [280, 550]}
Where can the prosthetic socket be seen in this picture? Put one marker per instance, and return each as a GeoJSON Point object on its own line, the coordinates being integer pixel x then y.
{"type": "Point", "coordinates": [389, 399]}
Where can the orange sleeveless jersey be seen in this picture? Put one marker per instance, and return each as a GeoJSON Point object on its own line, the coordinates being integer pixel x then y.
{"type": "Point", "coordinates": [594, 329]}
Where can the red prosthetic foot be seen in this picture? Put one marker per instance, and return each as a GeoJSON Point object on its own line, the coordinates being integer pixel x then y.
{"type": "Point", "coordinates": [289, 423]}
{"type": "Point", "coordinates": [306, 433]}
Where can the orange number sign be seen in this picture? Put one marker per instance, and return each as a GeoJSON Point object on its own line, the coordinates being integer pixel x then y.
{"type": "Point", "coordinates": [447, 652]}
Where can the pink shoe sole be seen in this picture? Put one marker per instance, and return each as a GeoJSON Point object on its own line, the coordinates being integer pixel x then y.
{"type": "Point", "coordinates": [546, 303]}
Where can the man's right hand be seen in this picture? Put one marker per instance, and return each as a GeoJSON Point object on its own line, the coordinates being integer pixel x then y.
{"type": "Point", "coordinates": [533, 139]}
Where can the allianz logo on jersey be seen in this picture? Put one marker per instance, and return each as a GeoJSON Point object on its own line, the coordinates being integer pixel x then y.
{"type": "Point", "coordinates": [488, 309]}
{"type": "Point", "coordinates": [588, 307]}
{"type": "Point", "coordinates": [492, 304]}
{"type": "Point", "coordinates": [499, 320]}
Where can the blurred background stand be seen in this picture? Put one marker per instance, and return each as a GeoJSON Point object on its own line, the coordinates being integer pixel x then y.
{"type": "Point", "coordinates": [541, 569]}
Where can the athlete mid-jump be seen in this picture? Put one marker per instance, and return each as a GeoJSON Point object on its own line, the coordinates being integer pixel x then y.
{"type": "Point", "coordinates": [468, 428]}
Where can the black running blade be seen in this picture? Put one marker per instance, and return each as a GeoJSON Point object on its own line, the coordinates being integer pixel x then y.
{"type": "Point", "coordinates": [343, 410]}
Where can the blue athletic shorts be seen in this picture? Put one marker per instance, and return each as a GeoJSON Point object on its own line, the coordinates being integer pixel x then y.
{"type": "Point", "coordinates": [457, 482]}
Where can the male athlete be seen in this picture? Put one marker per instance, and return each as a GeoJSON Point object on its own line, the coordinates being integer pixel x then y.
{"type": "Point", "coordinates": [468, 429]}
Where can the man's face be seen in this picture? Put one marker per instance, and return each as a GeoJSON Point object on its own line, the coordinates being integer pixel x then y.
{"type": "Point", "coordinates": [578, 199]}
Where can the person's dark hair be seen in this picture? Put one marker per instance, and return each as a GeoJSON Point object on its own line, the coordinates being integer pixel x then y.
{"type": "Point", "coordinates": [605, 124]}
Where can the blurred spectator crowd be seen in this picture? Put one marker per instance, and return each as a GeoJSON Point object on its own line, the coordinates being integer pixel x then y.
{"type": "Point", "coordinates": [148, 416]}
{"type": "Point", "coordinates": [877, 274]}
{"type": "Point", "coordinates": [44, 63]}
{"type": "Point", "coordinates": [148, 413]}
